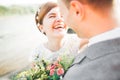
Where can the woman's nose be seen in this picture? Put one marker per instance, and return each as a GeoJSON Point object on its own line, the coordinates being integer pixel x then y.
{"type": "Point", "coordinates": [59, 18]}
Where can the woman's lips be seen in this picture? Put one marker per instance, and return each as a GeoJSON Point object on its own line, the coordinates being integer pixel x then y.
{"type": "Point", "coordinates": [59, 26]}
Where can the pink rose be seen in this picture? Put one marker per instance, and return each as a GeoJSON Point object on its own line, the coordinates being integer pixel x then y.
{"type": "Point", "coordinates": [60, 71]}
{"type": "Point", "coordinates": [52, 72]}
{"type": "Point", "coordinates": [52, 66]}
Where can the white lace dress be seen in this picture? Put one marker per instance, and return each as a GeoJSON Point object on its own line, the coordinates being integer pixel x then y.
{"type": "Point", "coordinates": [71, 46]}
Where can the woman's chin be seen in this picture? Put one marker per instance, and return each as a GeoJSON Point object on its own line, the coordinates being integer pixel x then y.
{"type": "Point", "coordinates": [60, 34]}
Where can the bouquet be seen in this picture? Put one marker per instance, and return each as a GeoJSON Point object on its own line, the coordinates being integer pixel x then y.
{"type": "Point", "coordinates": [46, 70]}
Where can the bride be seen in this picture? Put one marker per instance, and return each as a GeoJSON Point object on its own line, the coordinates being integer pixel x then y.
{"type": "Point", "coordinates": [50, 22]}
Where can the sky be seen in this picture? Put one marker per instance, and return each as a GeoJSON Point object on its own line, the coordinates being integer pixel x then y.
{"type": "Point", "coordinates": [19, 2]}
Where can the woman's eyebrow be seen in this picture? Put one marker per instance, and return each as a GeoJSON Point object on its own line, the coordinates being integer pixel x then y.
{"type": "Point", "coordinates": [51, 14]}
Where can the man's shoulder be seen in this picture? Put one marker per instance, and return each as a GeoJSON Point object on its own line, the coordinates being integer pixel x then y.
{"type": "Point", "coordinates": [101, 49]}
{"type": "Point", "coordinates": [101, 62]}
{"type": "Point", "coordinates": [103, 68]}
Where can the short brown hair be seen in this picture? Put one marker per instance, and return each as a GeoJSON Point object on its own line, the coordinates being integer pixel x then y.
{"type": "Point", "coordinates": [95, 4]}
{"type": "Point", "coordinates": [43, 10]}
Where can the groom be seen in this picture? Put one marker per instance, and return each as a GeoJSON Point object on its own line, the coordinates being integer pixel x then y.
{"type": "Point", "coordinates": [93, 19]}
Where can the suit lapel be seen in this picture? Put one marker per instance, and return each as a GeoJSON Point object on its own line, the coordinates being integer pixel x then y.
{"type": "Point", "coordinates": [81, 55]}
{"type": "Point", "coordinates": [79, 59]}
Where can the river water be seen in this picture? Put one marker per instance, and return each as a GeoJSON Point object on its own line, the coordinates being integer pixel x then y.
{"type": "Point", "coordinates": [18, 37]}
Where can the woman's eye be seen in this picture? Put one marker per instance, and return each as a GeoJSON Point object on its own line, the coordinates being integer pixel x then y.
{"type": "Point", "coordinates": [52, 16]}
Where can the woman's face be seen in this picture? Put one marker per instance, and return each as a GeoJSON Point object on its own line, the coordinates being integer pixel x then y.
{"type": "Point", "coordinates": [53, 24]}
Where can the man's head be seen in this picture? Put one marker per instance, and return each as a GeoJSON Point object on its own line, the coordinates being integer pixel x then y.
{"type": "Point", "coordinates": [81, 15]}
{"type": "Point", "coordinates": [93, 3]}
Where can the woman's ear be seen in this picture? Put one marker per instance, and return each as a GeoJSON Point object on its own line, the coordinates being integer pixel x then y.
{"type": "Point", "coordinates": [78, 8]}
{"type": "Point", "coordinates": [40, 27]}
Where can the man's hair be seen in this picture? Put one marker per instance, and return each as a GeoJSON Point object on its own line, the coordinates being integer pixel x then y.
{"type": "Point", "coordinates": [94, 4]}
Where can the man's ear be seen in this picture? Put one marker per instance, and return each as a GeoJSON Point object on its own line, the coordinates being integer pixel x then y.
{"type": "Point", "coordinates": [77, 8]}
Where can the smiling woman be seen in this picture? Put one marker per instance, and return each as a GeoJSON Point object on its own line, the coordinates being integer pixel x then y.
{"type": "Point", "coordinates": [50, 22]}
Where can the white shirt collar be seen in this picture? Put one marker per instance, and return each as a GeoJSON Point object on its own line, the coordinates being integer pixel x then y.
{"type": "Point", "coordinates": [105, 36]}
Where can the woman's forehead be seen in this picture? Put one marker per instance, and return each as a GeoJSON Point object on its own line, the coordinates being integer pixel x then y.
{"type": "Point", "coordinates": [53, 11]}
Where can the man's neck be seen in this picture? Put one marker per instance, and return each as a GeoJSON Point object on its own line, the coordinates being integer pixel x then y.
{"type": "Point", "coordinates": [100, 24]}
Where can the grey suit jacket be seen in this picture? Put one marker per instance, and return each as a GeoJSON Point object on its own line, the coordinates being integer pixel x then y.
{"type": "Point", "coordinates": [100, 61]}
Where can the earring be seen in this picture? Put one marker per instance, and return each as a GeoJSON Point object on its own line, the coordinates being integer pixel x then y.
{"type": "Point", "coordinates": [44, 33]}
